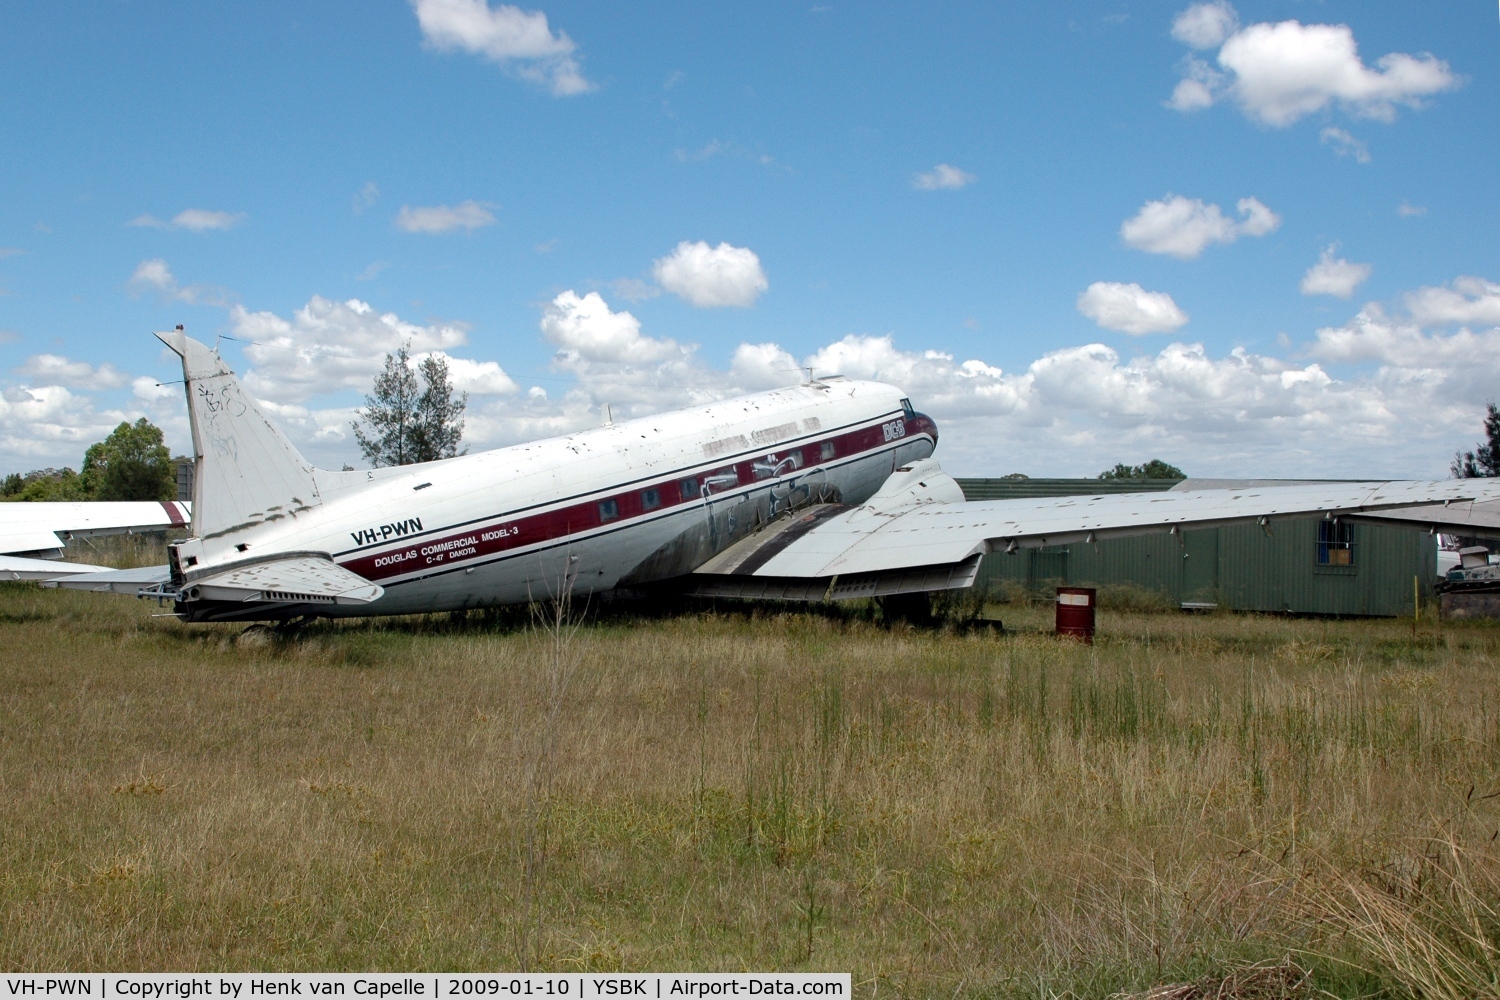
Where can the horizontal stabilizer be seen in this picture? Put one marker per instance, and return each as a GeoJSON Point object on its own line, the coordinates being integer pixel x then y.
{"type": "Point", "coordinates": [17, 568]}
{"type": "Point", "coordinates": [300, 579]}
{"type": "Point", "coordinates": [114, 581]}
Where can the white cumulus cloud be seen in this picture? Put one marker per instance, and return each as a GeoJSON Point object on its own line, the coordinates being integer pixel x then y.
{"type": "Point", "coordinates": [327, 346]}
{"type": "Point", "coordinates": [764, 366]}
{"type": "Point", "coordinates": [1467, 301]}
{"type": "Point", "coordinates": [520, 40]}
{"type": "Point", "coordinates": [1205, 25]}
{"type": "Point", "coordinates": [1344, 144]}
{"type": "Point", "coordinates": [585, 329]}
{"type": "Point", "coordinates": [478, 378]}
{"type": "Point", "coordinates": [943, 177]}
{"type": "Point", "coordinates": [155, 275]}
{"type": "Point", "coordinates": [196, 220]}
{"type": "Point", "coordinates": [1184, 227]}
{"type": "Point", "coordinates": [53, 369]}
{"type": "Point", "coordinates": [1130, 308]}
{"type": "Point", "coordinates": [712, 276]}
{"type": "Point", "coordinates": [1195, 91]}
{"type": "Point", "coordinates": [148, 389]}
{"type": "Point", "coordinates": [467, 215]}
{"type": "Point", "coordinates": [51, 425]}
{"type": "Point", "coordinates": [1392, 392]}
{"type": "Point", "coordinates": [1280, 73]}
{"type": "Point", "coordinates": [1334, 276]}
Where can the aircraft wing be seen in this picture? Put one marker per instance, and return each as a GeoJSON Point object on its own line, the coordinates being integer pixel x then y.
{"type": "Point", "coordinates": [1465, 518]}
{"type": "Point", "coordinates": [916, 535]}
{"type": "Point", "coordinates": [46, 527]}
{"type": "Point", "coordinates": [116, 581]}
{"type": "Point", "coordinates": [17, 568]}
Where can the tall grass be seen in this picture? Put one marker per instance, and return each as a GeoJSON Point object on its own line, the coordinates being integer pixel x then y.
{"type": "Point", "coordinates": [1188, 800]}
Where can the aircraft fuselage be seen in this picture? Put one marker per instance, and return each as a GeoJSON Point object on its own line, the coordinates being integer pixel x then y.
{"type": "Point", "coordinates": [627, 505]}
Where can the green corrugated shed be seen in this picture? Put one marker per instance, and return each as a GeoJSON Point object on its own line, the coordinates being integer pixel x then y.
{"type": "Point", "coordinates": [1240, 567]}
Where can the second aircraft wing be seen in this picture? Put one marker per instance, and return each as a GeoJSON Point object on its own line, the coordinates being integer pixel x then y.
{"type": "Point", "coordinates": [917, 534]}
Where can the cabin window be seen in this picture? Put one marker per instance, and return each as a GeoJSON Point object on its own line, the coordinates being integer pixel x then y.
{"type": "Point", "coordinates": [689, 488]}
{"type": "Point", "coordinates": [608, 510]}
{"type": "Point", "coordinates": [650, 499]}
{"type": "Point", "coordinates": [907, 409]}
{"type": "Point", "coordinates": [1335, 543]}
{"type": "Point", "coordinates": [828, 450]}
{"type": "Point", "coordinates": [778, 465]}
{"type": "Point", "coordinates": [723, 479]}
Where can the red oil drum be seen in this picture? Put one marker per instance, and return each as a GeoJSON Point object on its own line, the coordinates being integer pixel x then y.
{"type": "Point", "coordinates": [1075, 612]}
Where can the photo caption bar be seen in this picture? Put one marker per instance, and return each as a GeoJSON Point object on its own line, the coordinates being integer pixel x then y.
{"type": "Point", "coordinates": [424, 986]}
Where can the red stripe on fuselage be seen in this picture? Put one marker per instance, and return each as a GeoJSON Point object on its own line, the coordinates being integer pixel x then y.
{"type": "Point", "coordinates": [500, 534]}
{"type": "Point", "coordinates": [174, 513]}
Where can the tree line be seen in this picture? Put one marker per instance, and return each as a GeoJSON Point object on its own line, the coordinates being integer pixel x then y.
{"type": "Point", "coordinates": [133, 463]}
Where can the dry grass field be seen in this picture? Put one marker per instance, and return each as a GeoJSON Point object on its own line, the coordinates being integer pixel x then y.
{"type": "Point", "coordinates": [940, 813]}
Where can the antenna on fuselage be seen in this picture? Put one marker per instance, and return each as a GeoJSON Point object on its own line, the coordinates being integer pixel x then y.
{"type": "Point", "coordinates": [802, 370]}
{"type": "Point", "coordinates": [609, 418]}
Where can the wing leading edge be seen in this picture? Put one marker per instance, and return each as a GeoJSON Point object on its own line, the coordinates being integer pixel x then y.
{"type": "Point", "coordinates": [919, 532]}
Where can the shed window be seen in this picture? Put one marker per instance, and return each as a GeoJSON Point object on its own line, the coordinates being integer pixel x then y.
{"type": "Point", "coordinates": [608, 510]}
{"type": "Point", "coordinates": [1335, 543]}
{"type": "Point", "coordinates": [650, 499]}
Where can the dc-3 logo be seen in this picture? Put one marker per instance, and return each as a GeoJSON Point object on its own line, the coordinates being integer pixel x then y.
{"type": "Point", "coordinates": [894, 430]}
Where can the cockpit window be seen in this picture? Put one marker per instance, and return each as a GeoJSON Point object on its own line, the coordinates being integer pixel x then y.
{"type": "Point", "coordinates": [907, 408]}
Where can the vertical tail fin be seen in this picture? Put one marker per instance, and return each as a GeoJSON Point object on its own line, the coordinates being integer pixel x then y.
{"type": "Point", "coordinates": [246, 471]}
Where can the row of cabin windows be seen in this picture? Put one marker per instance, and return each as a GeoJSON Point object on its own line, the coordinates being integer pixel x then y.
{"type": "Point", "coordinates": [691, 488]}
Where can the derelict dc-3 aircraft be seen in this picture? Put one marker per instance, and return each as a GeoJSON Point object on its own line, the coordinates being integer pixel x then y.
{"type": "Point", "coordinates": [821, 491]}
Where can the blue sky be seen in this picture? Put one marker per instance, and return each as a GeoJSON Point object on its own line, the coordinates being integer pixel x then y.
{"type": "Point", "coordinates": [1004, 209]}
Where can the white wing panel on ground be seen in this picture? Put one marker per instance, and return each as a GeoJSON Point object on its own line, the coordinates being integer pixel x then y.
{"type": "Point", "coordinates": [17, 568]}
{"type": "Point", "coordinates": [43, 527]}
{"type": "Point", "coordinates": [113, 581]}
{"type": "Point", "coordinates": [875, 539]}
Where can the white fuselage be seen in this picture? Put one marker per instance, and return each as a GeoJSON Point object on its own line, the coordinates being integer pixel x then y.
{"type": "Point", "coordinates": [619, 506]}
